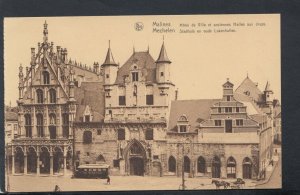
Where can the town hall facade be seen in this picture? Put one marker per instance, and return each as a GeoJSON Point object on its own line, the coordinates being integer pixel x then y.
{"type": "Point", "coordinates": [129, 117]}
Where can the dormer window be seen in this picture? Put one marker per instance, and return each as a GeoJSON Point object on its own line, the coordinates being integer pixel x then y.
{"type": "Point", "coordinates": [135, 76]}
{"type": "Point", "coordinates": [182, 124]}
{"type": "Point", "coordinates": [87, 115]}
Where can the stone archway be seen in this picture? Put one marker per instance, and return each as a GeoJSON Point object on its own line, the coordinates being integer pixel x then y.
{"type": "Point", "coordinates": [44, 161]}
{"type": "Point", "coordinates": [19, 160]}
{"type": "Point", "coordinates": [135, 158]}
{"type": "Point", "coordinates": [58, 159]}
{"type": "Point", "coordinates": [31, 160]}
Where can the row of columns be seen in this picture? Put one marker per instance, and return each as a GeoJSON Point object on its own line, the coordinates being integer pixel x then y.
{"type": "Point", "coordinates": [38, 165]}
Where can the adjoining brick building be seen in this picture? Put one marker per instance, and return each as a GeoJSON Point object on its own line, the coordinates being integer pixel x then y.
{"type": "Point", "coordinates": [129, 117]}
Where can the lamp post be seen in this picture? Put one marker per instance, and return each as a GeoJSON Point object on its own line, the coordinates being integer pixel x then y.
{"type": "Point", "coordinates": [182, 167]}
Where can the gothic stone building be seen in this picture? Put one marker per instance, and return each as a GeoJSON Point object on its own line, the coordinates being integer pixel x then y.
{"type": "Point", "coordinates": [129, 117]}
{"type": "Point", "coordinates": [47, 108]}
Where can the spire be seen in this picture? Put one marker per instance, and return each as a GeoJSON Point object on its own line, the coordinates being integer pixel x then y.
{"type": "Point", "coordinates": [163, 54]}
{"type": "Point", "coordinates": [268, 88]}
{"type": "Point", "coordinates": [45, 32]}
{"type": "Point", "coordinates": [109, 60]}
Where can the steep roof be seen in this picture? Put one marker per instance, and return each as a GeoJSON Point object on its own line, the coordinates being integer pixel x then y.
{"type": "Point", "coordinates": [11, 116]}
{"type": "Point", "coordinates": [252, 107]}
{"type": "Point", "coordinates": [163, 57]}
{"type": "Point", "coordinates": [268, 87]}
{"type": "Point", "coordinates": [109, 60]}
{"type": "Point", "coordinates": [144, 61]}
{"type": "Point", "coordinates": [195, 110]}
{"type": "Point", "coordinates": [248, 87]}
{"type": "Point", "coordinates": [91, 94]}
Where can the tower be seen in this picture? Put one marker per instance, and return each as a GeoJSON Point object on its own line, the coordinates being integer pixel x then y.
{"type": "Point", "coordinates": [268, 93]}
{"type": "Point", "coordinates": [110, 68]}
{"type": "Point", "coordinates": [227, 91]}
{"type": "Point", "coordinates": [163, 72]}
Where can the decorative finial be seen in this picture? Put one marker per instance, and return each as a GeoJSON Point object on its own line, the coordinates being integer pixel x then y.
{"type": "Point", "coordinates": [247, 75]}
{"type": "Point", "coordinates": [148, 48]}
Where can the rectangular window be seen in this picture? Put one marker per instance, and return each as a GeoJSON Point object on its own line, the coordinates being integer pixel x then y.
{"type": "Point", "coordinates": [161, 74]}
{"type": "Point", "coordinates": [135, 76]}
{"type": "Point", "coordinates": [219, 110]}
{"type": "Point", "coordinates": [217, 122]}
{"type": "Point", "coordinates": [87, 118]}
{"type": "Point", "coordinates": [122, 100]}
{"type": "Point", "coordinates": [228, 98]}
{"type": "Point", "coordinates": [121, 134]}
{"type": "Point", "coordinates": [149, 99]}
{"type": "Point", "coordinates": [228, 110]}
{"type": "Point", "coordinates": [149, 134]}
{"type": "Point", "coordinates": [182, 128]}
{"type": "Point", "coordinates": [228, 126]}
{"type": "Point", "coordinates": [239, 122]}
{"type": "Point", "coordinates": [99, 132]}
{"type": "Point", "coordinates": [155, 157]}
{"type": "Point", "coordinates": [88, 154]}
{"type": "Point", "coordinates": [237, 109]}
{"type": "Point", "coordinates": [116, 163]}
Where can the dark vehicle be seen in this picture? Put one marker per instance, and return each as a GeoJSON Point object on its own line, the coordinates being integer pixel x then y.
{"type": "Point", "coordinates": [92, 171]}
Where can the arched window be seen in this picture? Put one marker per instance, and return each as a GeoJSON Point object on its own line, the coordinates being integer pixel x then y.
{"type": "Point", "coordinates": [100, 158]}
{"type": "Point", "coordinates": [87, 137]}
{"type": "Point", "coordinates": [28, 127]}
{"type": "Point", "coordinates": [65, 119]}
{"type": "Point", "coordinates": [135, 149]}
{"type": "Point", "coordinates": [40, 125]}
{"type": "Point", "coordinates": [216, 167]}
{"type": "Point", "coordinates": [52, 94]}
{"type": "Point", "coordinates": [201, 166]}
{"type": "Point", "coordinates": [172, 164]}
{"type": "Point", "coordinates": [46, 77]}
{"type": "Point", "coordinates": [247, 168]}
{"type": "Point", "coordinates": [52, 118]}
{"type": "Point", "coordinates": [40, 96]}
{"type": "Point", "coordinates": [187, 163]}
{"type": "Point", "coordinates": [231, 167]}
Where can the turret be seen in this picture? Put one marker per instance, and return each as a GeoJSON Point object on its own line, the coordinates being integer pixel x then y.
{"type": "Point", "coordinates": [163, 72]}
{"type": "Point", "coordinates": [71, 84]}
{"type": "Point", "coordinates": [32, 62]}
{"type": "Point", "coordinates": [110, 68]}
{"type": "Point", "coordinates": [268, 93]}
{"type": "Point", "coordinates": [227, 91]}
{"type": "Point", "coordinates": [21, 82]}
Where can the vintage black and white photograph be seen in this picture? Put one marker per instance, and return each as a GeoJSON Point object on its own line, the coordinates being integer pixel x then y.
{"type": "Point", "coordinates": [125, 103]}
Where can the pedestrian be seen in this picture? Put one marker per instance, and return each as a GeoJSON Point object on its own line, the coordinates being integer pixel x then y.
{"type": "Point", "coordinates": [108, 180]}
{"type": "Point", "coordinates": [56, 189]}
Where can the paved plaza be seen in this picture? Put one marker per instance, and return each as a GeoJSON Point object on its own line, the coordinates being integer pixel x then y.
{"type": "Point", "coordinates": [25, 183]}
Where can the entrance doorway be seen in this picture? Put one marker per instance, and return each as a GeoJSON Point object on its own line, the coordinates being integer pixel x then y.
{"type": "Point", "coordinates": [136, 166]}
{"type": "Point", "coordinates": [216, 168]}
{"type": "Point", "coordinates": [247, 168]}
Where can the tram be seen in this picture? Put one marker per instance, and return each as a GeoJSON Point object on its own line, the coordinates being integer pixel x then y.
{"type": "Point", "coordinates": [92, 171]}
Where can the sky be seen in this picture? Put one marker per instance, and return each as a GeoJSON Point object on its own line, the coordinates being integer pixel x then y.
{"type": "Point", "coordinates": [201, 62]}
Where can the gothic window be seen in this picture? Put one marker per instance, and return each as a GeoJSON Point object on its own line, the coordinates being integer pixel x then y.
{"type": "Point", "coordinates": [40, 125]}
{"type": "Point", "coordinates": [52, 94]}
{"type": "Point", "coordinates": [149, 134]}
{"type": "Point", "coordinates": [122, 100]}
{"type": "Point", "coordinates": [149, 99]}
{"type": "Point", "coordinates": [52, 118]}
{"type": "Point", "coordinates": [172, 164]}
{"type": "Point", "coordinates": [201, 165]}
{"type": "Point", "coordinates": [186, 164]}
{"type": "Point", "coordinates": [87, 137]}
{"type": "Point", "coordinates": [40, 96]}
{"type": "Point", "coordinates": [28, 127]}
{"type": "Point", "coordinates": [116, 163]}
{"type": "Point", "coordinates": [46, 77]}
{"type": "Point", "coordinates": [135, 149]}
{"type": "Point", "coordinates": [135, 76]}
{"type": "Point", "coordinates": [231, 167]}
{"type": "Point", "coordinates": [237, 109]}
{"type": "Point", "coordinates": [65, 121]}
{"type": "Point", "coordinates": [161, 74]}
{"type": "Point", "coordinates": [100, 158]}
{"type": "Point", "coordinates": [217, 122]}
{"type": "Point", "coordinates": [121, 134]}
{"type": "Point", "coordinates": [87, 118]}
{"type": "Point", "coordinates": [239, 122]}
{"type": "Point", "coordinates": [134, 90]}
